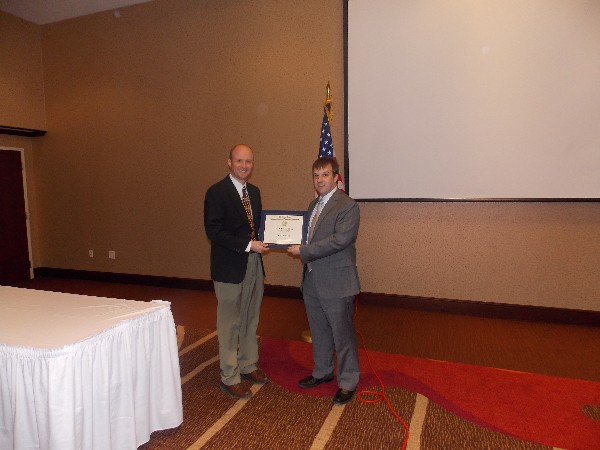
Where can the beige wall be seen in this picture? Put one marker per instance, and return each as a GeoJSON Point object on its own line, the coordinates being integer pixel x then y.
{"type": "Point", "coordinates": [142, 110]}
{"type": "Point", "coordinates": [543, 254]}
{"type": "Point", "coordinates": [21, 74]}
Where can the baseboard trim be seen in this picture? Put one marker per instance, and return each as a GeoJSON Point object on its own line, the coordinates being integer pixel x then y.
{"type": "Point", "coordinates": [466, 307]}
{"type": "Point", "coordinates": [486, 309]}
{"type": "Point", "coordinates": [125, 278]}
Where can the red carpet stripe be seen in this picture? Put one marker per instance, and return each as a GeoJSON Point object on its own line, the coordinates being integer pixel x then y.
{"type": "Point", "coordinates": [532, 407]}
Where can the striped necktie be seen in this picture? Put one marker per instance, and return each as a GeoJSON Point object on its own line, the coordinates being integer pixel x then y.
{"type": "Point", "coordinates": [246, 202]}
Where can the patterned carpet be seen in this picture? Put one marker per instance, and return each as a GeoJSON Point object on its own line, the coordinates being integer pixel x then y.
{"type": "Point", "coordinates": [483, 411]}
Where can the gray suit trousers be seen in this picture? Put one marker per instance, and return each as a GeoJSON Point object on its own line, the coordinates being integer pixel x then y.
{"type": "Point", "coordinates": [332, 328]}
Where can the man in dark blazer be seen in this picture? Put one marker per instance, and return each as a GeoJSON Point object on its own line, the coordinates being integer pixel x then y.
{"type": "Point", "coordinates": [330, 281]}
{"type": "Point", "coordinates": [232, 209]}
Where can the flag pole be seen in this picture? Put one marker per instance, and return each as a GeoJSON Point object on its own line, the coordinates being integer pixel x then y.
{"type": "Point", "coordinates": [327, 105]}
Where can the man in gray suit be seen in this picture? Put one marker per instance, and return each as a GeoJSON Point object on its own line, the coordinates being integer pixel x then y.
{"type": "Point", "coordinates": [330, 281]}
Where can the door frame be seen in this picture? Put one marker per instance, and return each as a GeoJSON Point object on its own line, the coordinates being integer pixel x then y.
{"type": "Point", "coordinates": [27, 221]}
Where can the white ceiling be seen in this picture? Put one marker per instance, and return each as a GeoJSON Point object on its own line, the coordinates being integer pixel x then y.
{"type": "Point", "coordinates": [47, 11]}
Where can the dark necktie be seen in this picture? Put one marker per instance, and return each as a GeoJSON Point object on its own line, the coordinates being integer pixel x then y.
{"type": "Point", "coordinates": [246, 202]}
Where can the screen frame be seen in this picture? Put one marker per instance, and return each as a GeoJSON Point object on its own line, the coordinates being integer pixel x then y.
{"type": "Point", "coordinates": [347, 177]}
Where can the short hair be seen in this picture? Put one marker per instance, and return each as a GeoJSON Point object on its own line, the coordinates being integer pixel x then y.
{"type": "Point", "coordinates": [236, 146]}
{"type": "Point", "coordinates": [321, 163]}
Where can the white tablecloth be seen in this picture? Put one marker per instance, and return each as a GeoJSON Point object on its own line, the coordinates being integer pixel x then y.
{"type": "Point", "coordinates": [82, 372]}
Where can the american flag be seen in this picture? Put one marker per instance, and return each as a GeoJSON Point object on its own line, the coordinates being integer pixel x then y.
{"type": "Point", "coordinates": [326, 143]}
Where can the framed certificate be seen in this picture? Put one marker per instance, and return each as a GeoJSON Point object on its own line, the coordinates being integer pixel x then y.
{"type": "Point", "coordinates": [282, 228]}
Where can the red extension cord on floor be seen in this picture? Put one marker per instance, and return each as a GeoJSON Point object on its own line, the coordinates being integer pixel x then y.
{"type": "Point", "coordinates": [378, 396]}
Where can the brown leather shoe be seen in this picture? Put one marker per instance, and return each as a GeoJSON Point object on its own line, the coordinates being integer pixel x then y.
{"type": "Point", "coordinates": [238, 391]}
{"type": "Point", "coordinates": [257, 377]}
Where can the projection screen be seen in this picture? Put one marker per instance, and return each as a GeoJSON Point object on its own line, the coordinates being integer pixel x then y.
{"type": "Point", "coordinates": [473, 100]}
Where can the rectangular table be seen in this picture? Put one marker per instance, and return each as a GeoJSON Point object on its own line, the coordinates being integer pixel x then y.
{"type": "Point", "coordinates": [83, 372]}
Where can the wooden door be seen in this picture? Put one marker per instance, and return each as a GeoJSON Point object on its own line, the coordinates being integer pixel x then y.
{"type": "Point", "coordinates": [14, 248]}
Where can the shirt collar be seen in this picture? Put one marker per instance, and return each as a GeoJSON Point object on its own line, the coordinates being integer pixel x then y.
{"type": "Point", "coordinates": [239, 186]}
{"type": "Point", "coordinates": [327, 196]}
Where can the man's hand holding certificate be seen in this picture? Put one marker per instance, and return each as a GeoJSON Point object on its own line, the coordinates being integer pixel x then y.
{"type": "Point", "coordinates": [282, 228]}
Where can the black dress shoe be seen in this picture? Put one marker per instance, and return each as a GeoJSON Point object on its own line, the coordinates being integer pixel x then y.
{"type": "Point", "coordinates": [311, 381]}
{"type": "Point", "coordinates": [342, 396]}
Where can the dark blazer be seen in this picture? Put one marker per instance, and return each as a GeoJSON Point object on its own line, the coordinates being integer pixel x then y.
{"type": "Point", "coordinates": [227, 228]}
{"type": "Point", "coordinates": [332, 250]}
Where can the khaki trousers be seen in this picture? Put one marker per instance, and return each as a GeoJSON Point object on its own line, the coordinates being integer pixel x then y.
{"type": "Point", "coordinates": [238, 312]}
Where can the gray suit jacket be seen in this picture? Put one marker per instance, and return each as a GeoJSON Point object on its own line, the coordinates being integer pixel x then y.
{"type": "Point", "coordinates": [332, 250]}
